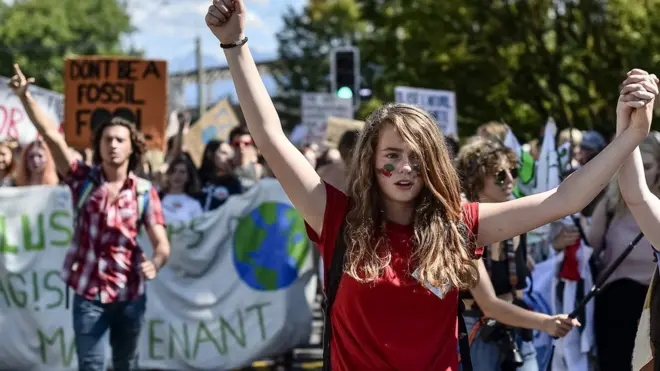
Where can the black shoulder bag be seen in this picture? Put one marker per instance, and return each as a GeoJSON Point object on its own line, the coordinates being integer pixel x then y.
{"type": "Point", "coordinates": [332, 279]}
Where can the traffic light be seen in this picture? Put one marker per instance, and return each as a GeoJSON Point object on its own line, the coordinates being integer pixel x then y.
{"type": "Point", "coordinates": [345, 72]}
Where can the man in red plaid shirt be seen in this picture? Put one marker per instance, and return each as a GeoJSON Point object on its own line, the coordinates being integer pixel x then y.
{"type": "Point", "coordinates": [105, 266]}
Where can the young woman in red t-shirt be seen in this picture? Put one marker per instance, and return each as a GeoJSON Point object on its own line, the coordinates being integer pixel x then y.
{"type": "Point", "coordinates": [404, 214]}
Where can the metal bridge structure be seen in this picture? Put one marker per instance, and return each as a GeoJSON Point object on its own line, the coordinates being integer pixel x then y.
{"type": "Point", "coordinates": [178, 80]}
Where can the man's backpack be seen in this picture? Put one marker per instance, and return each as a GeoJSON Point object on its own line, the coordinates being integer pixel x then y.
{"type": "Point", "coordinates": [143, 189]}
{"type": "Point", "coordinates": [333, 277]}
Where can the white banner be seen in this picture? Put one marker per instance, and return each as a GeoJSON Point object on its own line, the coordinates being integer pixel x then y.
{"type": "Point", "coordinates": [439, 103]}
{"type": "Point", "coordinates": [232, 292]}
{"type": "Point", "coordinates": [316, 108]}
{"type": "Point", "coordinates": [15, 123]}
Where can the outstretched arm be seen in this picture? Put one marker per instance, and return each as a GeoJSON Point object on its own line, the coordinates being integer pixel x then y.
{"type": "Point", "coordinates": [42, 122]}
{"type": "Point", "coordinates": [643, 204]}
{"type": "Point", "coordinates": [513, 315]}
{"type": "Point", "coordinates": [500, 221]}
{"type": "Point", "coordinates": [300, 181]}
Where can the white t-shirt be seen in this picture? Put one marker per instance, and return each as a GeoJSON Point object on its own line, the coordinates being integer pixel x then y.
{"type": "Point", "coordinates": [180, 207]}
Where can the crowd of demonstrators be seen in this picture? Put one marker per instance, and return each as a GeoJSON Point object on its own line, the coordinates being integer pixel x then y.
{"type": "Point", "coordinates": [415, 226]}
{"type": "Point", "coordinates": [396, 214]}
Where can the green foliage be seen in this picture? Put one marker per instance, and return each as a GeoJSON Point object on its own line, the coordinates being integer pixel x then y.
{"type": "Point", "coordinates": [517, 61]}
{"type": "Point", "coordinates": [304, 43]}
{"type": "Point", "coordinates": [39, 34]}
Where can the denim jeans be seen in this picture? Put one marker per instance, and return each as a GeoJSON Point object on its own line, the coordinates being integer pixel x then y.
{"type": "Point", "coordinates": [91, 322]}
{"type": "Point", "coordinates": [487, 357]}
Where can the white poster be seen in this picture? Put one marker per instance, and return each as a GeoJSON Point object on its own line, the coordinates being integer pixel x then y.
{"type": "Point", "coordinates": [316, 108]}
{"type": "Point", "coordinates": [232, 292]}
{"type": "Point", "coordinates": [15, 123]}
{"type": "Point", "coordinates": [439, 103]}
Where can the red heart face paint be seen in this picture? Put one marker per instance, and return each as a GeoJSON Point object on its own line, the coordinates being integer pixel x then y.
{"type": "Point", "coordinates": [387, 170]}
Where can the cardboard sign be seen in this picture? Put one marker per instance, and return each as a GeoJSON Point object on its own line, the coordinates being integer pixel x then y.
{"type": "Point", "coordinates": [214, 124]}
{"type": "Point", "coordinates": [337, 127]}
{"type": "Point", "coordinates": [97, 89]}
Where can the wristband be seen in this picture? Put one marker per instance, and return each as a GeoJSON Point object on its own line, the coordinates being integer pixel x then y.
{"type": "Point", "coordinates": [234, 44]}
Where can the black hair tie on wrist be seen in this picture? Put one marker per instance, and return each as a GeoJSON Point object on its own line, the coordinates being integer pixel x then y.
{"type": "Point", "coordinates": [234, 44]}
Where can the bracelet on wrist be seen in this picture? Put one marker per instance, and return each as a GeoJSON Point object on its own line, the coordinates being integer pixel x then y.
{"type": "Point", "coordinates": [234, 44]}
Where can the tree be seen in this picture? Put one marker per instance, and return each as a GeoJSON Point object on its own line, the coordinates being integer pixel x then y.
{"type": "Point", "coordinates": [39, 34]}
{"type": "Point", "coordinates": [303, 48]}
{"type": "Point", "coordinates": [519, 61]}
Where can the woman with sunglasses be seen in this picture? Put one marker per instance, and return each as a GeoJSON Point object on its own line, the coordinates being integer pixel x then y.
{"type": "Point", "coordinates": [487, 171]}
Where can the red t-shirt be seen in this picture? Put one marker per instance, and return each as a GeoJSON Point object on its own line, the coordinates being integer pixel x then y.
{"type": "Point", "coordinates": [393, 323]}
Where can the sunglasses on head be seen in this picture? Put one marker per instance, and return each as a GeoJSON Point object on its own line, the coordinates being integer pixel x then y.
{"type": "Point", "coordinates": [500, 176]}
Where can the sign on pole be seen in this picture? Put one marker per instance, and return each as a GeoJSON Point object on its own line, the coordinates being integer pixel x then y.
{"type": "Point", "coordinates": [99, 88]}
{"type": "Point", "coordinates": [439, 103]}
{"type": "Point", "coordinates": [316, 108]}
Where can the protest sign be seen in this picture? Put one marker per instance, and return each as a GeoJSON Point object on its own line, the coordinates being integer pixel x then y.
{"type": "Point", "coordinates": [439, 103]}
{"type": "Point", "coordinates": [337, 127]}
{"type": "Point", "coordinates": [14, 121]}
{"type": "Point", "coordinates": [99, 88]}
{"type": "Point", "coordinates": [316, 108]}
{"type": "Point", "coordinates": [214, 124]}
{"type": "Point", "coordinates": [232, 292]}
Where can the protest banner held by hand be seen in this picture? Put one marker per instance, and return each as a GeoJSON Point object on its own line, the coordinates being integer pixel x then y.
{"type": "Point", "coordinates": [226, 19]}
{"type": "Point", "coordinates": [18, 83]}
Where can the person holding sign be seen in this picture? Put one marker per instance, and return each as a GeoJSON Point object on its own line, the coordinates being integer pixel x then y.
{"type": "Point", "coordinates": [410, 243]}
{"type": "Point", "coordinates": [105, 265]}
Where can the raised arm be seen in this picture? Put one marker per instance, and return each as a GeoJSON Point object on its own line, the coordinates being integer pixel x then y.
{"type": "Point", "coordinates": [42, 122]}
{"type": "Point", "coordinates": [643, 204]}
{"type": "Point", "coordinates": [226, 19]}
{"type": "Point", "coordinates": [500, 221]}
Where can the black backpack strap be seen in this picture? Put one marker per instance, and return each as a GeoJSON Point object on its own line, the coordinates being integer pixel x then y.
{"type": "Point", "coordinates": [463, 339]}
{"type": "Point", "coordinates": [332, 279]}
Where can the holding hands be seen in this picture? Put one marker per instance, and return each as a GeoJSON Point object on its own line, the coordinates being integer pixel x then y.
{"type": "Point", "coordinates": [633, 109]}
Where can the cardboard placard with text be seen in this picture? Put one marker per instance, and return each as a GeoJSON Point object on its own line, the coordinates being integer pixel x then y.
{"type": "Point", "coordinates": [99, 88]}
{"type": "Point", "coordinates": [216, 123]}
{"type": "Point", "coordinates": [337, 127]}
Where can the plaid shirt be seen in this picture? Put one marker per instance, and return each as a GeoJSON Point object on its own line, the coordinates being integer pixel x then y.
{"type": "Point", "coordinates": [104, 260]}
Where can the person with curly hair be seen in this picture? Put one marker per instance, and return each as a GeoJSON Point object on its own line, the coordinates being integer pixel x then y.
{"type": "Point", "coordinates": [105, 266]}
{"type": "Point", "coordinates": [487, 171]}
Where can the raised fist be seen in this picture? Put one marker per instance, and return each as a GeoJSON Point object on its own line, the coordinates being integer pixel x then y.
{"type": "Point", "coordinates": [226, 19]}
{"type": "Point", "coordinates": [18, 83]}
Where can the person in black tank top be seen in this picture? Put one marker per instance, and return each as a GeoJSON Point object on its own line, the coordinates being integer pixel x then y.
{"type": "Point", "coordinates": [488, 172]}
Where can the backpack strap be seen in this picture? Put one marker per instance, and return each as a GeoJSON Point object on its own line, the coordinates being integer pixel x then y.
{"type": "Point", "coordinates": [332, 279]}
{"type": "Point", "coordinates": [463, 339]}
{"type": "Point", "coordinates": [85, 191]}
{"type": "Point", "coordinates": [143, 197]}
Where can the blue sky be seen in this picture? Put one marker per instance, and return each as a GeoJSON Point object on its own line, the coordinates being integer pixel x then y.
{"type": "Point", "coordinates": [166, 29]}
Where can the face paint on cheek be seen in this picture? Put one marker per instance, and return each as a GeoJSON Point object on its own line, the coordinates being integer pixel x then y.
{"type": "Point", "coordinates": [387, 170]}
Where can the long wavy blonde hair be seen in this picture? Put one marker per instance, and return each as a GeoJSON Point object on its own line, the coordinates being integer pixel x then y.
{"type": "Point", "coordinates": [441, 251]}
{"type": "Point", "coordinates": [651, 146]}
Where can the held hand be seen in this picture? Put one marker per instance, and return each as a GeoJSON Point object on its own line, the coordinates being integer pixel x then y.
{"type": "Point", "coordinates": [226, 19]}
{"type": "Point", "coordinates": [148, 269]}
{"type": "Point", "coordinates": [560, 325]}
{"type": "Point", "coordinates": [18, 83]}
{"type": "Point", "coordinates": [635, 106]}
{"type": "Point", "coordinates": [565, 238]}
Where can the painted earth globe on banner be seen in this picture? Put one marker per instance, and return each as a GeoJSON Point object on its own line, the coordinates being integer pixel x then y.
{"type": "Point", "coordinates": [270, 246]}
